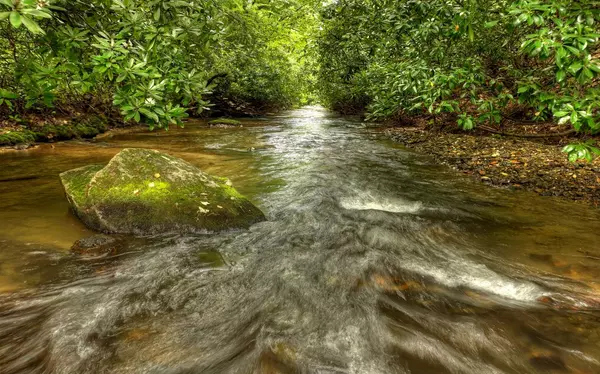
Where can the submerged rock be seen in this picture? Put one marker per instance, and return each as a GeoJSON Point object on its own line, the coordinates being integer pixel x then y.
{"type": "Point", "coordinates": [96, 245]}
{"type": "Point", "coordinates": [144, 191]}
{"type": "Point", "coordinates": [225, 123]}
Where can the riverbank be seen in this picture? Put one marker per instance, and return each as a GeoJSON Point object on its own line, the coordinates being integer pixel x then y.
{"type": "Point", "coordinates": [26, 132]}
{"type": "Point", "coordinates": [533, 164]}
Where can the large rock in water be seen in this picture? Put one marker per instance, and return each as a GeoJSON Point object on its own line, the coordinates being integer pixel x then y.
{"type": "Point", "coordinates": [144, 191]}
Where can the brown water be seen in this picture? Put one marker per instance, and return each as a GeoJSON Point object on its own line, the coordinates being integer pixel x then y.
{"type": "Point", "coordinates": [373, 260]}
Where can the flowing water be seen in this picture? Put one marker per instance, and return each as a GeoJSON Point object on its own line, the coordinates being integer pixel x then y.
{"type": "Point", "coordinates": [373, 260]}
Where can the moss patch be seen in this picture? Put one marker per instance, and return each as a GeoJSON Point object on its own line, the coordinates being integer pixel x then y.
{"type": "Point", "coordinates": [87, 127]}
{"type": "Point", "coordinates": [225, 121]}
{"type": "Point", "coordinates": [75, 183]}
{"type": "Point", "coordinates": [10, 138]}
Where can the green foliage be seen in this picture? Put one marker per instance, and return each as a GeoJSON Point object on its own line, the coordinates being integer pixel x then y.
{"type": "Point", "coordinates": [6, 97]}
{"type": "Point", "coordinates": [151, 61]}
{"type": "Point", "coordinates": [465, 122]}
{"type": "Point", "coordinates": [24, 12]}
{"type": "Point", "coordinates": [582, 151]}
{"type": "Point", "coordinates": [474, 59]}
{"type": "Point", "coordinates": [563, 36]}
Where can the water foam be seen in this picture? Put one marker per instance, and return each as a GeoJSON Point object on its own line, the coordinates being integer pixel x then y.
{"type": "Point", "coordinates": [370, 202]}
{"type": "Point", "coordinates": [460, 272]}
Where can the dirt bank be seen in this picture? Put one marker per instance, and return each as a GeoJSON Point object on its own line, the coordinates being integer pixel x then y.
{"type": "Point", "coordinates": [535, 165]}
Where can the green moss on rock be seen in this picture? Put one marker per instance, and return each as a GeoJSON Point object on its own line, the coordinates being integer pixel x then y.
{"type": "Point", "coordinates": [10, 138]}
{"type": "Point", "coordinates": [87, 127]}
{"type": "Point", "coordinates": [75, 183]}
{"type": "Point", "coordinates": [145, 191]}
{"type": "Point", "coordinates": [78, 128]}
{"type": "Point", "coordinates": [225, 121]}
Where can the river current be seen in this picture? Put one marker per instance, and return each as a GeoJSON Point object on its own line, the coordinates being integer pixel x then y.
{"type": "Point", "coordinates": [373, 260]}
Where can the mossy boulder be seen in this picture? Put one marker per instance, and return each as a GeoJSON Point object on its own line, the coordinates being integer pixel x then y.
{"type": "Point", "coordinates": [144, 191]}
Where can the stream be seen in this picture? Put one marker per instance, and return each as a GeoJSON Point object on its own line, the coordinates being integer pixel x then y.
{"type": "Point", "coordinates": [373, 260]}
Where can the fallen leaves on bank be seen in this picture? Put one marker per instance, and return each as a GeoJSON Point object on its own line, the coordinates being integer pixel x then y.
{"type": "Point", "coordinates": [509, 162]}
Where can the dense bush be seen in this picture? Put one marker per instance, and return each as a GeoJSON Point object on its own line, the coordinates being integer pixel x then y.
{"type": "Point", "coordinates": [479, 60]}
{"type": "Point", "coordinates": [152, 61]}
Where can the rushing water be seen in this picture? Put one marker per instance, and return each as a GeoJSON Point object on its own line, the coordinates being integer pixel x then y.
{"type": "Point", "coordinates": [373, 261]}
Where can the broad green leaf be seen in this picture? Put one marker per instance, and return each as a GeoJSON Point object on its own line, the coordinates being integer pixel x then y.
{"type": "Point", "coordinates": [575, 67]}
{"type": "Point", "coordinates": [564, 120]}
{"type": "Point", "coordinates": [149, 114]}
{"type": "Point", "coordinates": [574, 118]}
{"type": "Point", "coordinates": [7, 94]}
{"type": "Point", "coordinates": [586, 74]}
{"type": "Point", "coordinates": [37, 13]}
{"type": "Point", "coordinates": [32, 25]}
{"type": "Point", "coordinates": [573, 50]}
{"type": "Point", "coordinates": [15, 19]}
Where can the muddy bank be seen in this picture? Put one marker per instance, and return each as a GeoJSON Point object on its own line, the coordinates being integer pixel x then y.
{"type": "Point", "coordinates": [509, 162]}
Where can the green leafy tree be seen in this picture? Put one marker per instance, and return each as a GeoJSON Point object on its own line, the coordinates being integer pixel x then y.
{"type": "Point", "coordinates": [153, 61]}
{"type": "Point", "coordinates": [473, 61]}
